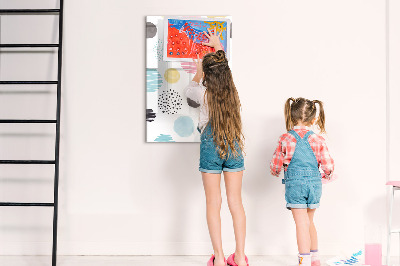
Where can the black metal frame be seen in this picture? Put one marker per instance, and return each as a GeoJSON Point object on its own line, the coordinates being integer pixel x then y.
{"type": "Point", "coordinates": [57, 82]}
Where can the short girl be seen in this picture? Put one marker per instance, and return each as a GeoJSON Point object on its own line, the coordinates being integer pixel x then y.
{"type": "Point", "coordinates": [302, 153]}
{"type": "Point", "coordinates": [221, 147]}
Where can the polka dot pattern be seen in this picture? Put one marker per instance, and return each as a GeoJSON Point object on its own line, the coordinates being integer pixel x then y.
{"type": "Point", "coordinates": [169, 102]}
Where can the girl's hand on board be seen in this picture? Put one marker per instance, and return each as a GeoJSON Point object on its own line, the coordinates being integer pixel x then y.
{"type": "Point", "coordinates": [199, 69]}
{"type": "Point", "coordinates": [213, 39]}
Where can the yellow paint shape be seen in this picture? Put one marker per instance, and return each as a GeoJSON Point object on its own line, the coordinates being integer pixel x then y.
{"type": "Point", "coordinates": [219, 26]}
{"type": "Point", "coordinates": [172, 75]}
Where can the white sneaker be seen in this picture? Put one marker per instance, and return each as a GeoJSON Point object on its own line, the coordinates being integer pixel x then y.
{"type": "Point", "coordinates": [304, 260]}
{"type": "Point", "coordinates": [315, 259]}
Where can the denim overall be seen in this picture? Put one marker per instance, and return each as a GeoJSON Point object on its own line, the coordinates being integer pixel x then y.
{"type": "Point", "coordinates": [211, 162]}
{"type": "Point", "coordinates": [302, 181]}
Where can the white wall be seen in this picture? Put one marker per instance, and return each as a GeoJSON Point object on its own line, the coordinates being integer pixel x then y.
{"type": "Point", "coordinates": [394, 110]}
{"type": "Point", "coordinates": [120, 195]}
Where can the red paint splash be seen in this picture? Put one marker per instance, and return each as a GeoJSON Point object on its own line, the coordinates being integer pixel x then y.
{"type": "Point", "coordinates": [181, 46]}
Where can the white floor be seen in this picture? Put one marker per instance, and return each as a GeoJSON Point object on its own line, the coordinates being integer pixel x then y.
{"type": "Point", "coordinates": [143, 260]}
{"type": "Point", "coordinates": [136, 260]}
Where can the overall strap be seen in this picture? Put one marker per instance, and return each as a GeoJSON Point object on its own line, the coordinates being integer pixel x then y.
{"type": "Point", "coordinates": [308, 134]}
{"type": "Point", "coordinates": [303, 164]}
{"type": "Point", "coordinates": [294, 133]}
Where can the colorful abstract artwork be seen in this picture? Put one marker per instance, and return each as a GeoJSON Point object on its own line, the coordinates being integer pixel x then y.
{"type": "Point", "coordinates": [170, 116]}
{"type": "Point", "coordinates": [183, 37]}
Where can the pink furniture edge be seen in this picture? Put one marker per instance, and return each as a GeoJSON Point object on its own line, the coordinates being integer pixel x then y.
{"type": "Point", "coordinates": [394, 186]}
{"type": "Point", "coordinates": [393, 183]}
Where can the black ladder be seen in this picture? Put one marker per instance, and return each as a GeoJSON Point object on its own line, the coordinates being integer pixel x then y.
{"type": "Point", "coordinates": [57, 82]}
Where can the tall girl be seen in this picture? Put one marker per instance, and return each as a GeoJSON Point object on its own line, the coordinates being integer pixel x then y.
{"type": "Point", "coordinates": [302, 153]}
{"type": "Point", "coordinates": [221, 147]}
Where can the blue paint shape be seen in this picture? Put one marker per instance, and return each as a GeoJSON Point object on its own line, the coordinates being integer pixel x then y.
{"type": "Point", "coordinates": [153, 80]}
{"type": "Point", "coordinates": [184, 126]}
{"type": "Point", "coordinates": [164, 138]}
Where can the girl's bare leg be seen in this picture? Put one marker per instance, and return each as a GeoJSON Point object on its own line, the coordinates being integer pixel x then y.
{"type": "Point", "coordinates": [233, 183]}
{"type": "Point", "coordinates": [313, 230]}
{"type": "Point", "coordinates": [302, 221]}
{"type": "Point", "coordinates": [212, 188]}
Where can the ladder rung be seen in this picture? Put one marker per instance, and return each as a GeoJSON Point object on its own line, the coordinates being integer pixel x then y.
{"type": "Point", "coordinates": [27, 161]}
{"type": "Point", "coordinates": [29, 204]}
{"type": "Point", "coordinates": [395, 231]}
{"type": "Point", "coordinates": [33, 45]}
{"type": "Point", "coordinates": [29, 82]}
{"type": "Point", "coordinates": [26, 121]}
{"type": "Point", "coordinates": [28, 11]}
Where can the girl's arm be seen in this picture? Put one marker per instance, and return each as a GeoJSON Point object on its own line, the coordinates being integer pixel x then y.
{"type": "Point", "coordinates": [199, 70]}
{"type": "Point", "coordinates": [277, 159]}
{"type": "Point", "coordinates": [194, 90]}
{"type": "Point", "coordinates": [327, 164]}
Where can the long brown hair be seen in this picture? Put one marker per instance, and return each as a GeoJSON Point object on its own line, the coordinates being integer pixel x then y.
{"type": "Point", "coordinates": [223, 104]}
{"type": "Point", "coordinates": [303, 110]}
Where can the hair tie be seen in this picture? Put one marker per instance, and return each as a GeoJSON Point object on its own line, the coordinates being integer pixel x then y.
{"type": "Point", "coordinates": [218, 64]}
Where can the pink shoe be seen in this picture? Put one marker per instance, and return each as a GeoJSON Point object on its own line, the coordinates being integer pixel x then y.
{"type": "Point", "coordinates": [316, 263]}
{"type": "Point", "coordinates": [231, 260]}
{"type": "Point", "coordinates": [211, 261]}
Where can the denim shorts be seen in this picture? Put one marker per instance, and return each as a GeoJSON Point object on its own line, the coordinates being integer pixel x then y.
{"type": "Point", "coordinates": [211, 161]}
{"type": "Point", "coordinates": [303, 193]}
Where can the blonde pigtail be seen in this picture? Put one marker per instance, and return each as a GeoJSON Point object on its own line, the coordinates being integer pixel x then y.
{"type": "Point", "coordinates": [321, 116]}
{"type": "Point", "coordinates": [288, 114]}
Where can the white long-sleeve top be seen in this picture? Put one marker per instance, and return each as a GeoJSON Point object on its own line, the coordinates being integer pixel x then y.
{"type": "Point", "coordinates": [196, 92]}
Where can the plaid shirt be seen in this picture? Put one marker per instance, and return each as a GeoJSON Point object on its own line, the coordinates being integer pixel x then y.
{"type": "Point", "coordinates": [287, 144]}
